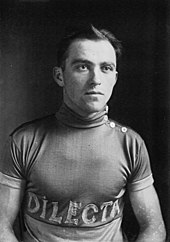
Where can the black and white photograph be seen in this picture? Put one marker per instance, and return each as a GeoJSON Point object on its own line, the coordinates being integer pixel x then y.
{"type": "Point", "coordinates": [84, 121]}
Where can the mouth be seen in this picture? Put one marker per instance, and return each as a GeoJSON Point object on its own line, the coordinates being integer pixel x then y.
{"type": "Point", "coordinates": [94, 93]}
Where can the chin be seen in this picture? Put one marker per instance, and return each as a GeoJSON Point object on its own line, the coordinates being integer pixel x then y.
{"type": "Point", "coordinates": [95, 108]}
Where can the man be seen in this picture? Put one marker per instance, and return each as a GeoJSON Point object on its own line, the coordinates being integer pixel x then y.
{"type": "Point", "coordinates": [71, 170]}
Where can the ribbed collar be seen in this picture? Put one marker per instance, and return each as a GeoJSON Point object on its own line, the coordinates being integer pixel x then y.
{"type": "Point", "coordinates": [68, 117]}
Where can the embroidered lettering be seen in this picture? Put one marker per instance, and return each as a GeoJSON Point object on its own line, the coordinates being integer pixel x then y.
{"type": "Point", "coordinates": [44, 208]}
{"type": "Point", "coordinates": [72, 211]}
{"type": "Point", "coordinates": [104, 206]}
{"type": "Point", "coordinates": [91, 213]}
{"type": "Point", "coordinates": [54, 217]}
{"type": "Point", "coordinates": [115, 210]}
{"type": "Point", "coordinates": [85, 218]}
{"type": "Point", "coordinates": [33, 200]}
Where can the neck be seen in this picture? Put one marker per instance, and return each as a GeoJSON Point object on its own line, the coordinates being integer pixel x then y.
{"type": "Point", "coordinates": [84, 114]}
{"type": "Point", "coordinates": [74, 119]}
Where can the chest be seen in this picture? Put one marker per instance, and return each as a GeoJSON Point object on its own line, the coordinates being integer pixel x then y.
{"type": "Point", "coordinates": [79, 166]}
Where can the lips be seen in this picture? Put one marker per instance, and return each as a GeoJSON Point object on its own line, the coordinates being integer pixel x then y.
{"type": "Point", "coordinates": [94, 93]}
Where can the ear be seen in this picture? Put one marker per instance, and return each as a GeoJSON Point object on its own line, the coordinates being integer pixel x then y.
{"type": "Point", "coordinates": [58, 76]}
{"type": "Point", "coordinates": [116, 77]}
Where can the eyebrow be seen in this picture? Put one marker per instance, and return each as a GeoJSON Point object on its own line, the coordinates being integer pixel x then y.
{"type": "Point", "coordinates": [108, 63]}
{"type": "Point", "coordinates": [76, 61]}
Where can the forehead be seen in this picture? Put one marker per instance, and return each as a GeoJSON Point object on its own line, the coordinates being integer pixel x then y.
{"type": "Point", "coordinates": [92, 50]}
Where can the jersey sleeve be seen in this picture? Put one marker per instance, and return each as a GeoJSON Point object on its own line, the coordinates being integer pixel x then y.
{"type": "Point", "coordinates": [11, 171]}
{"type": "Point", "coordinates": [141, 176]}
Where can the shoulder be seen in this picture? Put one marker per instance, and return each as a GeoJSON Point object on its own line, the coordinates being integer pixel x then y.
{"type": "Point", "coordinates": [34, 128]}
{"type": "Point", "coordinates": [124, 132]}
{"type": "Point", "coordinates": [123, 129]}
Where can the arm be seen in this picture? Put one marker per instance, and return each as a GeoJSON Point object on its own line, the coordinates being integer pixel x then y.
{"type": "Point", "coordinates": [147, 211]}
{"type": "Point", "coordinates": [10, 200]}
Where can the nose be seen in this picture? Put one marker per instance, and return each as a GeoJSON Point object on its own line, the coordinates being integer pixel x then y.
{"type": "Point", "coordinates": [95, 78]}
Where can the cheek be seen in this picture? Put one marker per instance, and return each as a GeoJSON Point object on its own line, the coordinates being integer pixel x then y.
{"type": "Point", "coordinates": [75, 84]}
{"type": "Point", "coordinates": [73, 89]}
{"type": "Point", "coordinates": [110, 85]}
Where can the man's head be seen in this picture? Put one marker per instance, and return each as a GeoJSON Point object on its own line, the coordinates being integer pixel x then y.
{"type": "Point", "coordinates": [86, 32]}
{"type": "Point", "coordinates": [87, 69]}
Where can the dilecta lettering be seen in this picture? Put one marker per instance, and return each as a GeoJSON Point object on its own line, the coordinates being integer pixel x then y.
{"type": "Point", "coordinates": [74, 213]}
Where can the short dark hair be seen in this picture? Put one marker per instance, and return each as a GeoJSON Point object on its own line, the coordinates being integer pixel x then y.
{"type": "Point", "coordinates": [86, 32]}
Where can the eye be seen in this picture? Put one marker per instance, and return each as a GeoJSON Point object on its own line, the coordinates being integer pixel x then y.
{"type": "Point", "coordinates": [82, 67]}
{"type": "Point", "coordinates": [107, 68]}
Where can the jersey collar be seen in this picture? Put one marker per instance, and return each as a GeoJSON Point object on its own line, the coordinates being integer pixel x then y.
{"type": "Point", "coordinates": [68, 117]}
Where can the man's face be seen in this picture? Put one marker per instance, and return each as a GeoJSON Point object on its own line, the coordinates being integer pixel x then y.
{"type": "Point", "coordinates": [89, 75]}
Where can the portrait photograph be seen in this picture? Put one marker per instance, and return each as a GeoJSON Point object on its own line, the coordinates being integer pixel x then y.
{"type": "Point", "coordinates": [84, 120]}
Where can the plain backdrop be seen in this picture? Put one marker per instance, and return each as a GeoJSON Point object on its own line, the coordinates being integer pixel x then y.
{"type": "Point", "coordinates": [29, 33]}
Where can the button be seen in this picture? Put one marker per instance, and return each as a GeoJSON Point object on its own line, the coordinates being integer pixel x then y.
{"type": "Point", "coordinates": [107, 108]}
{"type": "Point", "coordinates": [112, 124]}
{"type": "Point", "coordinates": [105, 118]}
{"type": "Point", "coordinates": [124, 129]}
